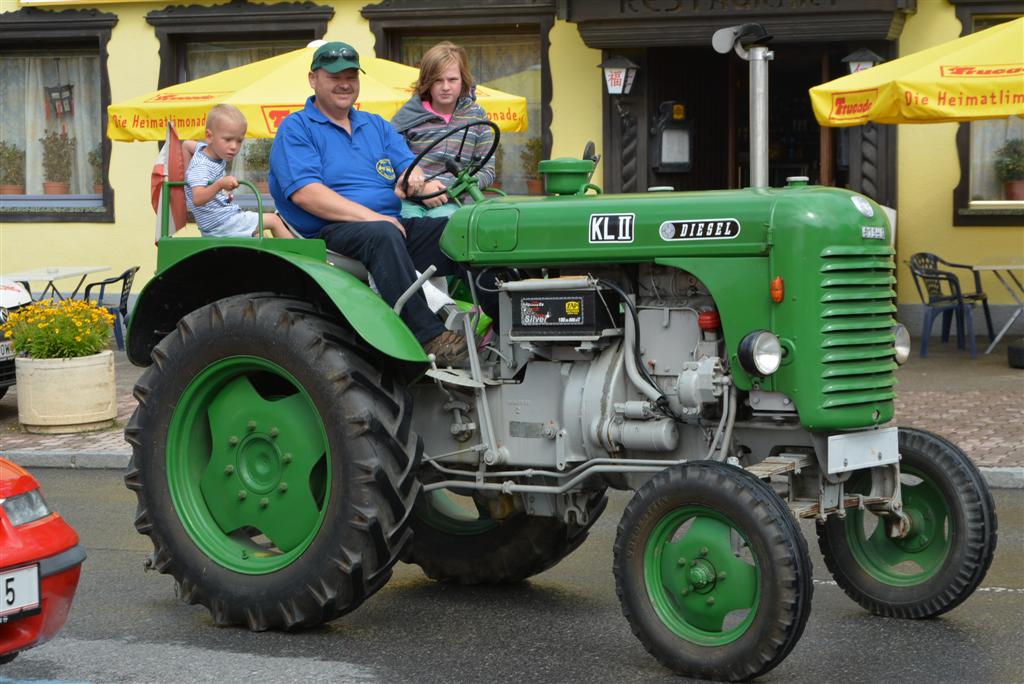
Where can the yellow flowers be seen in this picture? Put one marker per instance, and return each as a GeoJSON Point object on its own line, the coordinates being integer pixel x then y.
{"type": "Point", "coordinates": [61, 329]}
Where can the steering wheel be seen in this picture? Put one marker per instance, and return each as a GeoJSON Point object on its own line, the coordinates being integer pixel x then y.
{"type": "Point", "coordinates": [462, 172]}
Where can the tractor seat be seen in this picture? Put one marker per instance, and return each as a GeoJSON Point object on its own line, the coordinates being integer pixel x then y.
{"type": "Point", "coordinates": [347, 264]}
{"type": "Point", "coordinates": [435, 289]}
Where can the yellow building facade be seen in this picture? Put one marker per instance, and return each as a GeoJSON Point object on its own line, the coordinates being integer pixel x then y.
{"type": "Point", "coordinates": [571, 108]}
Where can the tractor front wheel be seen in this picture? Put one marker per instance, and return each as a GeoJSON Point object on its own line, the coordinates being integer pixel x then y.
{"type": "Point", "coordinates": [274, 467]}
{"type": "Point", "coordinates": [712, 572]}
{"type": "Point", "coordinates": [947, 551]}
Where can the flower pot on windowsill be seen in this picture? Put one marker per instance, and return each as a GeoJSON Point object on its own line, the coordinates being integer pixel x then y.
{"type": "Point", "coordinates": [263, 186]}
{"type": "Point", "coordinates": [97, 188]}
{"type": "Point", "coordinates": [59, 396]}
{"type": "Point", "coordinates": [534, 186]}
{"type": "Point", "coordinates": [1014, 190]}
{"type": "Point", "coordinates": [56, 188]}
{"type": "Point", "coordinates": [11, 189]}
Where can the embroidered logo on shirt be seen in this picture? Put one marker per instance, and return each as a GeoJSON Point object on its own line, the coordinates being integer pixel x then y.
{"type": "Point", "coordinates": [385, 169]}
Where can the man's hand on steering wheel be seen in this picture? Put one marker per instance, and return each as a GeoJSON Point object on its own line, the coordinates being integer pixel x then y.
{"type": "Point", "coordinates": [412, 183]}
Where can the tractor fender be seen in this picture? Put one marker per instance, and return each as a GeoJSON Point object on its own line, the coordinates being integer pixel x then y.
{"type": "Point", "coordinates": [193, 272]}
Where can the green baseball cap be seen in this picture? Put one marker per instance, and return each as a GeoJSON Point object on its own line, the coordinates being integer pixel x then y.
{"type": "Point", "coordinates": [334, 57]}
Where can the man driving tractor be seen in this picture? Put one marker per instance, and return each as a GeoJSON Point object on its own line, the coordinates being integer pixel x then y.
{"type": "Point", "coordinates": [333, 173]}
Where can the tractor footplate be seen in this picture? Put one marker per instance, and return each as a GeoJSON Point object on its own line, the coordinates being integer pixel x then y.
{"type": "Point", "coordinates": [779, 465]}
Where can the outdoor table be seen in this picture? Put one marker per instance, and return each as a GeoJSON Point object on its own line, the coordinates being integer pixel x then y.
{"type": "Point", "coordinates": [52, 274]}
{"type": "Point", "coordinates": [1007, 265]}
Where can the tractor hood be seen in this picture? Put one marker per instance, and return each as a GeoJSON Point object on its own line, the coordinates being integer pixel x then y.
{"type": "Point", "coordinates": [649, 226]}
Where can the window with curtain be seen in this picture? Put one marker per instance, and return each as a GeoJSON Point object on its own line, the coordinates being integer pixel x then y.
{"type": "Point", "coordinates": [203, 58]}
{"type": "Point", "coordinates": [51, 142]}
{"type": "Point", "coordinates": [989, 144]}
{"type": "Point", "coordinates": [986, 194]}
{"type": "Point", "coordinates": [508, 62]}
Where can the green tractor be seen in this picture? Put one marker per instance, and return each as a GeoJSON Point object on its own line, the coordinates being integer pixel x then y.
{"type": "Point", "coordinates": [727, 355]}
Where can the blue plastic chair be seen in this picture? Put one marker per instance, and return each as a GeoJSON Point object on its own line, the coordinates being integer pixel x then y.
{"type": "Point", "coordinates": [121, 310]}
{"type": "Point", "coordinates": [941, 294]}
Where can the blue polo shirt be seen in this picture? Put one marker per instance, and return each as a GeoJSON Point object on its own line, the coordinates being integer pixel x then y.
{"type": "Point", "coordinates": [361, 167]}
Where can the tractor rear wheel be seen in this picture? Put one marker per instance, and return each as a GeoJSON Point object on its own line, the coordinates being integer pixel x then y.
{"type": "Point", "coordinates": [274, 466]}
{"type": "Point", "coordinates": [948, 550]}
{"type": "Point", "coordinates": [464, 544]}
{"type": "Point", "coordinates": [712, 572]}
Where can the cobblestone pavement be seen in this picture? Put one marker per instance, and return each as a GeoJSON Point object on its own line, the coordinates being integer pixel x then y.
{"type": "Point", "coordinates": [977, 404]}
{"type": "Point", "coordinates": [988, 426]}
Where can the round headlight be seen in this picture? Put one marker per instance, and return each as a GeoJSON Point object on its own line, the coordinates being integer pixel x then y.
{"type": "Point", "coordinates": [760, 353]}
{"type": "Point", "coordinates": [902, 344]}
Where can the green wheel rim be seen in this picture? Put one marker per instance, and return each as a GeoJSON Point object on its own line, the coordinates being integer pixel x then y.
{"type": "Point", "coordinates": [916, 557]}
{"type": "Point", "coordinates": [442, 512]}
{"type": "Point", "coordinates": [248, 465]}
{"type": "Point", "coordinates": [699, 588]}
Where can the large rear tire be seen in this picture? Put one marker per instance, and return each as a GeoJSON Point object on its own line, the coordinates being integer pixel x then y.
{"type": "Point", "coordinates": [712, 572]}
{"type": "Point", "coordinates": [948, 550]}
{"type": "Point", "coordinates": [274, 466]}
{"type": "Point", "coordinates": [465, 545]}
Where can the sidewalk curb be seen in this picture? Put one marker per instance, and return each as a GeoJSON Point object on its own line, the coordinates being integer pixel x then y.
{"type": "Point", "coordinates": [996, 478]}
{"type": "Point", "coordinates": [69, 459]}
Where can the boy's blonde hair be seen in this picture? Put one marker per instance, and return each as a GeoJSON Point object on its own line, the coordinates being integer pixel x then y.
{"type": "Point", "coordinates": [224, 112]}
{"type": "Point", "coordinates": [435, 61]}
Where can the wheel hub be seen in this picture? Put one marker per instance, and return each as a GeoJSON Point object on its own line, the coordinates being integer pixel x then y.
{"type": "Point", "coordinates": [918, 538]}
{"type": "Point", "coordinates": [702, 576]}
{"type": "Point", "coordinates": [259, 462]}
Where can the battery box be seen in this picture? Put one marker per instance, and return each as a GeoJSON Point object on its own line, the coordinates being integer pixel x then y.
{"type": "Point", "coordinates": [565, 313]}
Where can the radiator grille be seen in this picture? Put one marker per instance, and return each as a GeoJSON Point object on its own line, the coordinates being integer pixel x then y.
{"type": "Point", "coordinates": [857, 308]}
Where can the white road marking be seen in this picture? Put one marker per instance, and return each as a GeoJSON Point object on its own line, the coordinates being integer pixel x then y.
{"type": "Point", "coordinates": [994, 590]}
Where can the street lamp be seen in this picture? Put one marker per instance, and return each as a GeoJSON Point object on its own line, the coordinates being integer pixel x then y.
{"type": "Point", "coordinates": [619, 74]}
{"type": "Point", "coordinates": [862, 59]}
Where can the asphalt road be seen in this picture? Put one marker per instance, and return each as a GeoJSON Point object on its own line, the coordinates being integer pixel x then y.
{"type": "Point", "coordinates": [562, 626]}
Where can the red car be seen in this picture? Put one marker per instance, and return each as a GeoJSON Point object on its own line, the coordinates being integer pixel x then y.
{"type": "Point", "coordinates": [40, 560]}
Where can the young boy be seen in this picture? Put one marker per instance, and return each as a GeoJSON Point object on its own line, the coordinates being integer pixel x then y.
{"type": "Point", "coordinates": [207, 188]}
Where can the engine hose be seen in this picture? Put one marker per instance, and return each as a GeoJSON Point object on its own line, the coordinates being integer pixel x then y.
{"type": "Point", "coordinates": [726, 406]}
{"type": "Point", "coordinates": [727, 437]}
{"type": "Point", "coordinates": [653, 392]}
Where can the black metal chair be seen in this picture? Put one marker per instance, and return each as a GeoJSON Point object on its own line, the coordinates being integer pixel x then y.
{"type": "Point", "coordinates": [942, 294]}
{"type": "Point", "coordinates": [121, 310]}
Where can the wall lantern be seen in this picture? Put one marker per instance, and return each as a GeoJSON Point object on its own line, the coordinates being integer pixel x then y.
{"type": "Point", "coordinates": [862, 59]}
{"type": "Point", "coordinates": [619, 75]}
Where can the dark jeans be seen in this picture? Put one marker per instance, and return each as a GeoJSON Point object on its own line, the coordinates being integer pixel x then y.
{"type": "Point", "coordinates": [393, 261]}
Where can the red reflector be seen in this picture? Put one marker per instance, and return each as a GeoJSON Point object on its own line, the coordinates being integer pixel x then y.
{"type": "Point", "coordinates": [709, 320]}
{"type": "Point", "coordinates": [777, 290]}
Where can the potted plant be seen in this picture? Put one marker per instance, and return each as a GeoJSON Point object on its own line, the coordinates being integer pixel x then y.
{"type": "Point", "coordinates": [58, 159]}
{"type": "Point", "coordinates": [257, 163]}
{"type": "Point", "coordinates": [64, 371]}
{"type": "Point", "coordinates": [12, 169]}
{"type": "Point", "coordinates": [530, 156]}
{"type": "Point", "coordinates": [1010, 168]}
{"type": "Point", "coordinates": [95, 158]}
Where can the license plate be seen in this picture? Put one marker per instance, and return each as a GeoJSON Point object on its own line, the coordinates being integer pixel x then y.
{"type": "Point", "coordinates": [19, 591]}
{"type": "Point", "coordinates": [867, 449]}
{"type": "Point", "coordinates": [6, 350]}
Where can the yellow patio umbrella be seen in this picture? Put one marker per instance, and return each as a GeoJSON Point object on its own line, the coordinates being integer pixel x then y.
{"type": "Point", "coordinates": [979, 76]}
{"type": "Point", "coordinates": [269, 90]}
